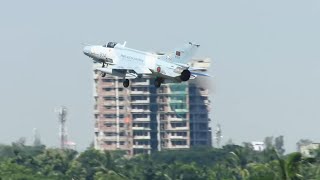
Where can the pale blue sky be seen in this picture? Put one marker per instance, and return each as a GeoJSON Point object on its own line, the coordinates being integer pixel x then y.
{"type": "Point", "coordinates": [265, 60]}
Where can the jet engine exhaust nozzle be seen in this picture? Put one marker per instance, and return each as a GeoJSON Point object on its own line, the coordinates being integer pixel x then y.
{"type": "Point", "coordinates": [185, 75]}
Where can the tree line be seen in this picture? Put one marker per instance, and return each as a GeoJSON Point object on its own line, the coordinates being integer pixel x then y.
{"type": "Point", "coordinates": [231, 162]}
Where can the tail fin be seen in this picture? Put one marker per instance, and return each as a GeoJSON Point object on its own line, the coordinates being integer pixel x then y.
{"type": "Point", "coordinates": [184, 54]}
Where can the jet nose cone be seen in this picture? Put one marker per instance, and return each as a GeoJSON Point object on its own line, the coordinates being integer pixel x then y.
{"type": "Point", "coordinates": [87, 50]}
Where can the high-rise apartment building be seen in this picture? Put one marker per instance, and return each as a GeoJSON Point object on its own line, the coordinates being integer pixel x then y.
{"type": "Point", "coordinates": [142, 118]}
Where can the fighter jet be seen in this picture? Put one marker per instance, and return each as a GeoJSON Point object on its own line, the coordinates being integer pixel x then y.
{"type": "Point", "coordinates": [119, 60]}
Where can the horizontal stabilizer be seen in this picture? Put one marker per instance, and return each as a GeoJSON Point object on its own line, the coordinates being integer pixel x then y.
{"type": "Point", "coordinates": [199, 74]}
{"type": "Point", "coordinates": [186, 66]}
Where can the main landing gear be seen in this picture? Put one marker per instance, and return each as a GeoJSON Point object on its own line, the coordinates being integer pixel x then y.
{"type": "Point", "coordinates": [103, 74]}
{"type": "Point", "coordinates": [158, 81]}
{"type": "Point", "coordinates": [126, 83]}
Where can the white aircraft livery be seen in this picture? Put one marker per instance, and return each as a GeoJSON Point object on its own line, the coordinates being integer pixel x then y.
{"type": "Point", "coordinates": [119, 60]}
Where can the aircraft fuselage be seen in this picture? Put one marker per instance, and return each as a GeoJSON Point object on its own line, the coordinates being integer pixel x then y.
{"type": "Point", "coordinates": [120, 57]}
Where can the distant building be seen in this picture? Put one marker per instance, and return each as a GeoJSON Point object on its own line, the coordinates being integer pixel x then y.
{"type": "Point", "coordinates": [70, 145]}
{"type": "Point", "coordinates": [308, 150]}
{"type": "Point", "coordinates": [258, 146]}
{"type": "Point", "coordinates": [142, 118]}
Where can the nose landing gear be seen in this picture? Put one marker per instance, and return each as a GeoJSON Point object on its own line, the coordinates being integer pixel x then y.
{"type": "Point", "coordinates": [158, 81]}
{"type": "Point", "coordinates": [103, 74]}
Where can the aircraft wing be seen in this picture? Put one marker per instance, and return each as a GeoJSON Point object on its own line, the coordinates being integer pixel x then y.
{"type": "Point", "coordinates": [137, 69]}
{"type": "Point", "coordinates": [125, 71]}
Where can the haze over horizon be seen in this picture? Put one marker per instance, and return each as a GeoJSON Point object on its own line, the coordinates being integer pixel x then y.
{"type": "Point", "coordinates": [265, 58]}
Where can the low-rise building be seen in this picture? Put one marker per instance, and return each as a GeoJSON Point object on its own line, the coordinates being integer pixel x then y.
{"type": "Point", "coordinates": [309, 149]}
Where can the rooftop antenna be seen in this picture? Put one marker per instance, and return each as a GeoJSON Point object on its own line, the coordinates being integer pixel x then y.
{"type": "Point", "coordinates": [62, 114]}
{"type": "Point", "coordinates": [218, 135]}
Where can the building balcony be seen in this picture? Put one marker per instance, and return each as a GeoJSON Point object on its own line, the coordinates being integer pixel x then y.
{"type": "Point", "coordinates": [96, 111]}
{"type": "Point", "coordinates": [176, 119]}
{"type": "Point", "coordinates": [109, 102]}
{"type": "Point", "coordinates": [147, 101]}
{"type": "Point", "coordinates": [123, 103]}
{"type": "Point", "coordinates": [107, 84]}
{"type": "Point", "coordinates": [163, 101]}
{"type": "Point", "coordinates": [164, 92]}
{"type": "Point", "coordinates": [141, 146]}
{"type": "Point", "coordinates": [177, 93]}
{"type": "Point", "coordinates": [201, 102]}
{"type": "Point", "coordinates": [108, 129]}
{"type": "Point", "coordinates": [108, 138]}
{"type": "Point", "coordinates": [168, 146]}
{"type": "Point", "coordinates": [123, 138]}
{"type": "Point", "coordinates": [204, 93]}
{"type": "Point", "coordinates": [176, 101]}
{"type": "Point", "coordinates": [141, 119]}
{"type": "Point", "coordinates": [140, 110]}
{"type": "Point", "coordinates": [108, 120]}
{"type": "Point", "coordinates": [137, 110]}
{"type": "Point", "coordinates": [179, 147]}
{"type": "Point", "coordinates": [108, 93]}
{"type": "Point", "coordinates": [113, 103]}
{"type": "Point", "coordinates": [181, 110]}
{"type": "Point", "coordinates": [108, 147]}
{"type": "Point", "coordinates": [140, 92]}
{"type": "Point", "coordinates": [141, 137]}
{"type": "Point", "coordinates": [145, 83]}
{"type": "Point", "coordinates": [178, 137]}
{"type": "Point", "coordinates": [141, 128]}
{"type": "Point", "coordinates": [178, 128]}
{"type": "Point", "coordinates": [109, 111]}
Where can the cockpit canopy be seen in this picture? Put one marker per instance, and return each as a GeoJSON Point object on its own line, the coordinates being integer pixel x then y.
{"type": "Point", "coordinates": [110, 44]}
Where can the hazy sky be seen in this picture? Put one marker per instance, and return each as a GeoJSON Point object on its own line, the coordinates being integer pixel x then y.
{"type": "Point", "coordinates": [265, 61]}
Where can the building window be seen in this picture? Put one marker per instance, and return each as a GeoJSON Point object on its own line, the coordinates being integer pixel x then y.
{"type": "Point", "coordinates": [108, 107]}
{"type": "Point", "coordinates": [174, 143]}
{"type": "Point", "coordinates": [110, 133]}
{"type": "Point", "coordinates": [108, 124]}
{"type": "Point", "coordinates": [108, 142]}
{"type": "Point", "coordinates": [108, 89]}
{"type": "Point", "coordinates": [109, 116]}
{"type": "Point", "coordinates": [109, 98]}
